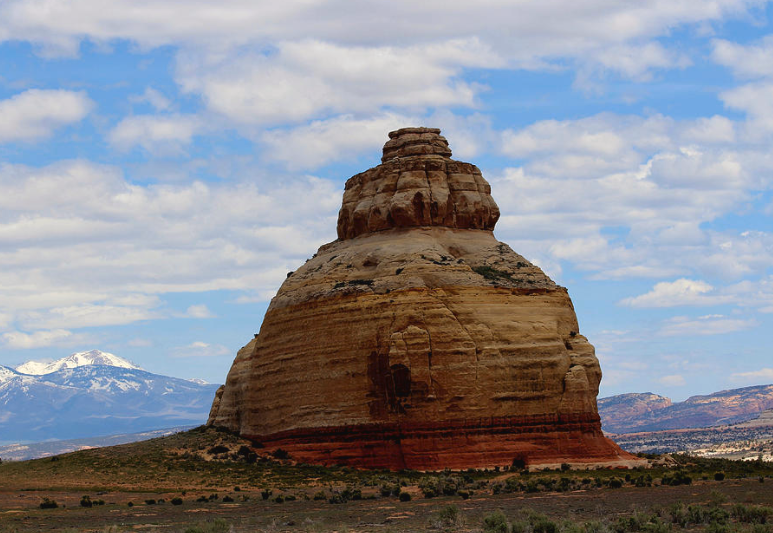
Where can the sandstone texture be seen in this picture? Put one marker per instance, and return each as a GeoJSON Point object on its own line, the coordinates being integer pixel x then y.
{"type": "Point", "coordinates": [417, 340]}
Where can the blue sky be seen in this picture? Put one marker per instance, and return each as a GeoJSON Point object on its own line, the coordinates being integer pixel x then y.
{"type": "Point", "coordinates": [163, 167]}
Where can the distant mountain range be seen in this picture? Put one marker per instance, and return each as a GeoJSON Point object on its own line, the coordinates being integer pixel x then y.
{"type": "Point", "coordinates": [90, 394]}
{"type": "Point", "coordinates": [22, 452]}
{"type": "Point", "coordinates": [94, 357]}
{"type": "Point", "coordinates": [635, 412]}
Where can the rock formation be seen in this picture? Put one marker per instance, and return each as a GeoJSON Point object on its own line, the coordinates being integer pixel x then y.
{"type": "Point", "coordinates": [417, 340]}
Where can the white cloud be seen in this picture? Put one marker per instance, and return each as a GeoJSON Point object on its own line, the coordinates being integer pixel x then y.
{"type": "Point", "coordinates": [673, 380]}
{"type": "Point", "coordinates": [155, 133]}
{"type": "Point", "coordinates": [260, 64]}
{"type": "Point", "coordinates": [82, 247]}
{"type": "Point", "coordinates": [637, 61]}
{"type": "Point", "coordinates": [746, 61]}
{"type": "Point", "coordinates": [669, 294]}
{"type": "Point", "coordinates": [629, 196]}
{"type": "Point", "coordinates": [154, 98]}
{"type": "Point", "coordinates": [5, 320]}
{"type": "Point", "coordinates": [705, 325]}
{"type": "Point", "coordinates": [528, 30]}
{"type": "Point", "coordinates": [323, 141]}
{"type": "Point", "coordinates": [140, 343]}
{"type": "Point", "coordinates": [201, 349]}
{"type": "Point", "coordinates": [41, 339]}
{"type": "Point", "coordinates": [36, 113]}
{"type": "Point", "coordinates": [761, 375]}
{"type": "Point", "coordinates": [746, 294]}
{"type": "Point", "coordinates": [199, 311]}
{"type": "Point", "coordinates": [309, 78]}
{"type": "Point", "coordinates": [85, 315]}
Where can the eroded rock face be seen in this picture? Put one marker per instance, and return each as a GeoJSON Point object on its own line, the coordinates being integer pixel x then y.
{"type": "Point", "coordinates": [417, 340]}
{"type": "Point", "coordinates": [417, 184]}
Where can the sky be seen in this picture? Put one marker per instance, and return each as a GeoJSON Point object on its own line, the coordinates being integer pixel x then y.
{"type": "Point", "coordinates": [164, 164]}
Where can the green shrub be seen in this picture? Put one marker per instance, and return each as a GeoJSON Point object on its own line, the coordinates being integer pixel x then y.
{"type": "Point", "coordinates": [86, 501]}
{"type": "Point", "coordinates": [718, 528]}
{"type": "Point", "coordinates": [656, 526]}
{"type": "Point", "coordinates": [512, 484]}
{"type": "Point", "coordinates": [319, 495]}
{"type": "Point", "coordinates": [405, 497]}
{"type": "Point", "coordinates": [719, 476]}
{"type": "Point", "coordinates": [429, 487]}
{"type": "Point", "coordinates": [280, 454]}
{"type": "Point", "coordinates": [449, 516]}
{"type": "Point", "coordinates": [520, 526]}
{"type": "Point", "coordinates": [214, 450]}
{"type": "Point", "coordinates": [542, 524]}
{"type": "Point", "coordinates": [48, 504]}
{"type": "Point", "coordinates": [752, 514]}
{"type": "Point", "coordinates": [177, 501]}
{"type": "Point", "coordinates": [218, 525]}
{"type": "Point", "coordinates": [495, 522]}
{"type": "Point", "coordinates": [594, 526]}
{"type": "Point", "coordinates": [337, 498]}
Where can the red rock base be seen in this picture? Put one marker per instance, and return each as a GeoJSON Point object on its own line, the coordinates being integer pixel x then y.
{"type": "Point", "coordinates": [460, 444]}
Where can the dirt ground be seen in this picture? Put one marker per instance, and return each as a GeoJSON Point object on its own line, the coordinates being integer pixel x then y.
{"type": "Point", "coordinates": [19, 510]}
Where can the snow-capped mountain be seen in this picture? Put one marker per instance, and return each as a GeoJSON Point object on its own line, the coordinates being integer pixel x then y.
{"type": "Point", "coordinates": [95, 399]}
{"type": "Point", "coordinates": [93, 357]}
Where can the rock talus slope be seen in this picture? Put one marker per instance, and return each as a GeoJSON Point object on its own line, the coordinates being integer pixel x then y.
{"type": "Point", "coordinates": [417, 340]}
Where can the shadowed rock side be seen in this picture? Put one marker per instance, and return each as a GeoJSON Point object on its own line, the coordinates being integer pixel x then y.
{"type": "Point", "coordinates": [417, 340]}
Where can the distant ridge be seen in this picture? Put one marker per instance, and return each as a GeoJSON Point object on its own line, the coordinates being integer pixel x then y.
{"type": "Point", "coordinates": [635, 412]}
{"type": "Point", "coordinates": [22, 452]}
{"type": "Point", "coordinates": [93, 357]}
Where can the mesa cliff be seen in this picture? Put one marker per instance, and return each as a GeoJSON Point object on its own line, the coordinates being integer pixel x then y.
{"type": "Point", "coordinates": [416, 339]}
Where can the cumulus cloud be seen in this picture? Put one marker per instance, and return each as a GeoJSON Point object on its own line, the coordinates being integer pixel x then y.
{"type": "Point", "coordinates": [633, 61]}
{"type": "Point", "coordinates": [85, 315]}
{"type": "Point", "coordinates": [261, 65]}
{"type": "Point", "coordinates": [199, 311]}
{"type": "Point", "coordinates": [140, 343]}
{"type": "Point", "coordinates": [36, 113]}
{"type": "Point", "coordinates": [82, 247]}
{"type": "Point", "coordinates": [705, 325]}
{"type": "Point", "coordinates": [747, 293]}
{"type": "Point", "coordinates": [673, 380]}
{"type": "Point", "coordinates": [309, 78]}
{"type": "Point", "coordinates": [155, 133]}
{"type": "Point", "coordinates": [550, 30]}
{"type": "Point", "coordinates": [42, 339]}
{"type": "Point", "coordinates": [669, 294]}
{"type": "Point", "coordinates": [764, 375]}
{"type": "Point", "coordinates": [201, 349]}
{"type": "Point", "coordinates": [153, 97]}
{"type": "Point", "coordinates": [635, 194]}
{"type": "Point", "coordinates": [753, 60]}
{"type": "Point", "coordinates": [323, 141]}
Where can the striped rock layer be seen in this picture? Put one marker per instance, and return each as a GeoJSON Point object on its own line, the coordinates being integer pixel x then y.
{"type": "Point", "coordinates": [417, 340]}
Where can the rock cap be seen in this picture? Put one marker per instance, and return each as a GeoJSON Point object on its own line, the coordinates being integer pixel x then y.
{"type": "Point", "coordinates": [417, 184]}
{"type": "Point", "coordinates": [407, 142]}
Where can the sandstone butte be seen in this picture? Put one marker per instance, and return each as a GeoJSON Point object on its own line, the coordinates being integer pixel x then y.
{"type": "Point", "coordinates": [417, 340]}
